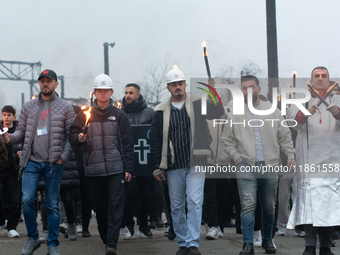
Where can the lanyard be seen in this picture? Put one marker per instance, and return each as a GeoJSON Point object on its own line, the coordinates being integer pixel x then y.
{"type": "Point", "coordinates": [43, 118]}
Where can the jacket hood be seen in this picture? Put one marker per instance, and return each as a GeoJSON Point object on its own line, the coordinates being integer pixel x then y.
{"type": "Point", "coordinates": [134, 108]}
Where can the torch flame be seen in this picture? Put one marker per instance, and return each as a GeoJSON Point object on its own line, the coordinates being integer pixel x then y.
{"type": "Point", "coordinates": [33, 97]}
{"type": "Point", "coordinates": [295, 72]}
{"type": "Point", "coordinates": [119, 105]}
{"type": "Point", "coordinates": [330, 88]}
{"type": "Point", "coordinates": [88, 116]}
{"type": "Point", "coordinates": [204, 43]}
{"type": "Point", "coordinates": [175, 67]}
{"type": "Point", "coordinates": [83, 107]}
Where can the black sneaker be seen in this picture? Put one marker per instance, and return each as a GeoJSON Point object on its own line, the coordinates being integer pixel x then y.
{"type": "Point", "coordinates": [325, 251]}
{"type": "Point", "coordinates": [110, 250]}
{"type": "Point", "coordinates": [268, 246]}
{"type": "Point", "coordinates": [192, 250]}
{"type": "Point", "coordinates": [86, 233]}
{"type": "Point", "coordinates": [248, 249]}
{"type": "Point", "coordinates": [171, 233]}
{"type": "Point", "coordinates": [182, 251]}
{"type": "Point", "coordinates": [144, 232]}
{"type": "Point", "coordinates": [309, 250]}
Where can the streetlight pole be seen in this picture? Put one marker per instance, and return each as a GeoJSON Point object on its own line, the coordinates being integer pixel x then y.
{"type": "Point", "coordinates": [106, 56]}
{"type": "Point", "coordinates": [273, 69]}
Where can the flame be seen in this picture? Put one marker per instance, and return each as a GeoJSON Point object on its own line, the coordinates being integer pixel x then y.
{"type": "Point", "coordinates": [83, 107]}
{"type": "Point", "coordinates": [175, 67]}
{"type": "Point", "coordinates": [88, 116]}
{"type": "Point", "coordinates": [33, 97]}
{"type": "Point", "coordinates": [119, 105]}
{"type": "Point", "coordinates": [204, 43]}
{"type": "Point", "coordinates": [330, 88]}
{"type": "Point", "coordinates": [113, 104]}
{"type": "Point", "coordinates": [295, 72]}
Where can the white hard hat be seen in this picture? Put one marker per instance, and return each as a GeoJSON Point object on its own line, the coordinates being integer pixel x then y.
{"type": "Point", "coordinates": [174, 75]}
{"type": "Point", "coordinates": [103, 81]}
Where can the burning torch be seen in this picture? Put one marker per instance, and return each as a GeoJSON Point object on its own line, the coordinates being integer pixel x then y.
{"type": "Point", "coordinates": [327, 93]}
{"type": "Point", "coordinates": [204, 44]}
{"type": "Point", "coordinates": [88, 116]}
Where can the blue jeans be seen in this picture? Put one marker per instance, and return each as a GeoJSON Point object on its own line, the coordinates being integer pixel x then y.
{"type": "Point", "coordinates": [186, 186]}
{"type": "Point", "coordinates": [249, 185]}
{"type": "Point", "coordinates": [30, 179]}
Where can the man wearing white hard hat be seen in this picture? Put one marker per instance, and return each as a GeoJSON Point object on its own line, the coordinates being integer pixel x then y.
{"type": "Point", "coordinates": [175, 140]}
{"type": "Point", "coordinates": [108, 157]}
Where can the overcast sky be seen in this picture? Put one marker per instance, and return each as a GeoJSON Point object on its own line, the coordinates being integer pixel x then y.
{"type": "Point", "coordinates": [67, 36]}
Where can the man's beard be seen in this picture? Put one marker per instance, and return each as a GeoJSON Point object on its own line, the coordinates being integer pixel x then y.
{"type": "Point", "coordinates": [48, 93]}
{"type": "Point", "coordinates": [255, 97]}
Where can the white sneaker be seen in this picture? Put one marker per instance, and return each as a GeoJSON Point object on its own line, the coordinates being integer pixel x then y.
{"type": "Point", "coordinates": [281, 230]}
{"type": "Point", "coordinates": [44, 237]}
{"type": "Point", "coordinates": [220, 234]}
{"type": "Point", "coordinates": [257, 238]}
{"type": "Point", "coordinates": [13, 233]}
{"type": "Point", "coordinates": [63, 227]}
{"type": "Point", "coordinates": [3, 226]}
{"type": "Point", "coordinates": [126, 235]}
{"type": "Point", "coordinates": [79, 228]}
{"type": "Point", "coordinates": [212, 234]}
{"type": "Point", "coordinates": [299, 233]}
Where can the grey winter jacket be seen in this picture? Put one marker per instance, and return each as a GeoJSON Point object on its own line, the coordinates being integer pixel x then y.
{"type": "Point", "coordinates": [61, 118]}
{"type": "Point", "coordinates": [108, 148]}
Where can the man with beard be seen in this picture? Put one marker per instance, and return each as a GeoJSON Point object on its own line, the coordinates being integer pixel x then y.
{"type": "Point", "coordinates": [179, 134]}
{"type": "Point", "coordinates": [44, 128]}
{"type": "Point", "coordinates": [135, 108]}
{"type": "Point", "coordinates": [254, 145]}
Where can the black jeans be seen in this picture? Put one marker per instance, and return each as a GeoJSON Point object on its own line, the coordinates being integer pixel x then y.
{"type": "Point", "coordinates": [108, 194]}
{"type": "Point", "coordinates": [215, 192]}
{"type": "Point", "coordinates": [144, 192]}
{"type": "Point", "coordinates": [10, 187]}
{"type": "Point", "coordinates": [66, 195]}
{"type": "Point", "coordinates": [86, 198]}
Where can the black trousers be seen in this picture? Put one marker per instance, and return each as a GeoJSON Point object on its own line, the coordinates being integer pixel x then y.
{"type": "Point", "coordinates": [215, 193]}
{"type": "Point", "coordinates": [9, 187]}
{"type": "Point", "coordinates": [86, 198]}
{"type": "Point", "coordinates": [108, 194]}
{"type": "Point", "coordinates": [144, 192]}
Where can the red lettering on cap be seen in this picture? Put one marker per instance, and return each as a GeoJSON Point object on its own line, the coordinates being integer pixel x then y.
{"type": "Point", "coordinates": [45, 72]}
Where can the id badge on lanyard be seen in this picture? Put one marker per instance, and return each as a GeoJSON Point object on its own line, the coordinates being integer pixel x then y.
{"type": "Point", "coordinates": [43, 129]}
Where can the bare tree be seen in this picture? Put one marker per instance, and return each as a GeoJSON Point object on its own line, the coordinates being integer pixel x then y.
{"type": "Point", "coordinates": [154, 81]}
{"type": "Point", "coordinates": [229, 74]}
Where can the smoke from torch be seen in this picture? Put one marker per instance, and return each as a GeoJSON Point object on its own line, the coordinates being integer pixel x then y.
{"type": "Point", "coordinates": [88, 116]}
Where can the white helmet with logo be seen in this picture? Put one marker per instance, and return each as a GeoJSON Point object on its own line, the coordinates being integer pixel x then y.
{"type": "Point", "coordinates": [103, 81]}
{"type": "Point", "coordinates": [174, 75]}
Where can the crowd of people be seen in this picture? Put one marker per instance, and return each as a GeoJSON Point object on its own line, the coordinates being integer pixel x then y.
{"type": "Point", "coordinates": [79, 164]}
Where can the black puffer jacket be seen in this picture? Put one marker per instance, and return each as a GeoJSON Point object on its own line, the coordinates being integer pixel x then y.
{"type": "Point", "coordinates": [138, 113]}
{"type": "Point", "coordinates": [108, 148]}
{"type": "Point", "coordinates": [12, 165]}
{"type": "Point", "coordinates": [3, 155]}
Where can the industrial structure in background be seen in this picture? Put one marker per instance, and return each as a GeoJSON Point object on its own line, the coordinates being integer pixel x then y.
{"type": "Point", "coordinates": [30, 71]}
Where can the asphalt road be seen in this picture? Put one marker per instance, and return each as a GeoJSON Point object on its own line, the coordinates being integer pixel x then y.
{"type": "Point", "coordinates": [158, 244]}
